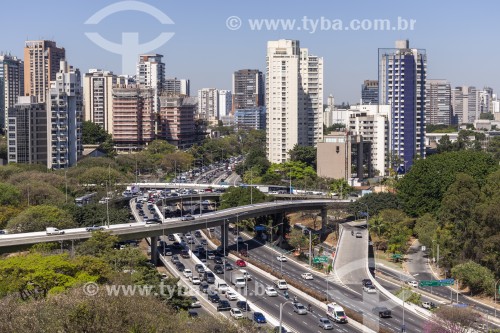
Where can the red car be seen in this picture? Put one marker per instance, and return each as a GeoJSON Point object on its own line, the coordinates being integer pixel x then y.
{"type": "Point", "coordinates": [241, 263]}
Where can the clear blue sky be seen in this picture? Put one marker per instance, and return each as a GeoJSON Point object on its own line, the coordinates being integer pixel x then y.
{"type": "Point", "coordinates": [461, 38]}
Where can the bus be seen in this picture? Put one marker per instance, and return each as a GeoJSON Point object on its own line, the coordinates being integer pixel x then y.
{"type": "Point", "coordinates": [85, 200]}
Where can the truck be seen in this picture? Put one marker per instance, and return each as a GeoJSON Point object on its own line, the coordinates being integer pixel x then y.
{"type": "Point", "coordinates": [131, 190]}
{"type": "Point", "coordinates": [336, 313]}
{"type": "Point", "coordinates": [53, 231]}
{"type": "Point", "coordinates": [238, 280]}
{"type": "Point", "coordinates": [281, 284]}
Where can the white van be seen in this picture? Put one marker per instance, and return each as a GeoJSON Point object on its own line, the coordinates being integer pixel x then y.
{"type": "Point", "coordinates": [54, 231]}
{"type": "Point", "coordinates": [221, 286]}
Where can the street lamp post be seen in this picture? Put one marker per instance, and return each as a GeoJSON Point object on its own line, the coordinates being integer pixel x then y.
{"type": "Point", "coordinates": [310, 248]}
{"type": "Point", "coordinates": [495, 297]}
{"type": "Point", "coordinates": [237, 234]}
{"type": "Point", "coordinates": [281, 315]}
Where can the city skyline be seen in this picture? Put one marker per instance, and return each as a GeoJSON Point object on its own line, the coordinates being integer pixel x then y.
{"type": "Point", "coordinates": [350, 57]}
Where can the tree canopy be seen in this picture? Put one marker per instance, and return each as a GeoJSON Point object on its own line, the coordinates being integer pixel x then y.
{"type": "Point", "coordinates": [37, 218]}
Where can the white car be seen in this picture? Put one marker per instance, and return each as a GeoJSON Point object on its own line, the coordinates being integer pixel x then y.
{"type": "Point", "coordinates": [413, 283]}
{"type": "Point", "coordinates": [195, 280]}
{"type": "Point", "coordinates": [370, 289]}
{"type": "Point", "coordinates": [231, 295]}
{"type": "Point", "coordinates": [281, 258]}
{"type": "Point", "coordinates": [187, 273]}
{"type": "Point", "coordinates": [236, 313]}
{"type": "Point", "coordinates": [307, 276]}
{"type": "Point", "coordinates": [271, 292]}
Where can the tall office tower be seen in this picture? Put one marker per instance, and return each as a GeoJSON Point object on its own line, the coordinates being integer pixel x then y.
{"type": "Point", "coordinates": [151, 74]}
{"type": "Point", "coordinates": [369, 92]}
{"type": "Point", "coordinates": [248, 89]}
{"type": "Point", "coordinates": [133, 115]}
{"type": "Point", "coordinates": [485, 100]}
{"type": "Point", "coordinates": [11, 85]}
{"type": "Point", "coordinates": [208, 105]}
{"type": "Point", "coordinates": [465, 104]}
{"type": "Point", "coordinates": [225, 103]}
{"type": "Point", "coordinates": [177, 86]}
{"type": "Point", "coordinates": [176, 120]}
{"type": "Point", "coordinates": [402, 76]}
{"type": "Point", "coordinates": [438, 102]}
{"type": "Point", "coordinates": [41, 64]}
{"type": "Point", "coordinates": [64, 120]}
{"type": "Point", "coordinates": [98, 94]}
{"type": "Point", "coordinates": [27, 131]}
{"type": "Point", "coordinates": [294, 98]}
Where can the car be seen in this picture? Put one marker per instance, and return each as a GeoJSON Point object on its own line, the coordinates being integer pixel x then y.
{"type": "Point", "coordinates": [204, 242]}
{"type": "Point", "coordinates": [153, 221]}
{"type": "Point", "coordinates": [241, 263]}
{"type": "Point", "coordinates": [167, 251]}
{"type": "Point", "coordinates": [211, 255]}
{"type": "Point", "coordinates": [382, 312]}
{"type": "Point", "coordinates": [245, 274]}
{"type": "Point", "coordinates": [271, 292]}
{"type": "Point", "coordinates": [175, 259]}
{"type": "Point", "coordinates": [94, 228]}
{"type": "Point", "coordinates": [192, 313]}
{"type": "Point", "coordinates": [197, 234]}
{"type": "Point", "coordinates": [185, 254]}
{"type": "Point", "coordinates": [213, 296]}
{"type": "Point", "coordinates": [180, 267]}
{"type": "Point", "coordinates": [199, 268]}
{"type": "Point", "coordinates": [366, 282]}
{"type": "Point", "coordinates": [187, 273]}
{"type": "Point", "coordinates": [281, 258]}
{"type": "Point", "coordinates": [231, 295]}
{"type": "Point", "coordinates": [325, 323]}
{"type": "Point", "coordinates": [429, 305]}
{"type": "Point", "coordinates": [194, 280]}
{"type": "Point", "coordinates": [209, 277]}
{"type": "Point", "coordinates": [370, 289]}
{"type": "Point", "coordinates": [223, 305]}
{"type": "Point", "coordinates": [259, 318]}
{"type": "Point", "coordinates": [187, 218]}
{"type": "Point", "coordinates": [243, 306]}
{"type": "Point", "coordinates": [244, 253]}
{"type": "Point", "coordinates": [236, 313]}
{"type": "Point", "coordinates": [358, 235]}
{"type": "Point", "coordinates": [238, 239]}
{"type": "Point", "coordinates": [412, 283]}
{"type": "Point", "coordinates": [195, 303]}
{"type": "Point", "coordinates": [171, 237]}
{"type": "Point", "coordinates": [300, 309]}
{"type": "Point", "coordinates": [204, 287]}
{"type": "Point", "coordinates": [218, 260]}
{"type": "Point", "coordinates": [177, 245]}
{"type": "Point", "coordinates": [191, 241]}
{"type": "Point", "coordinates": [307, 276]}
{"type": "Point", "coordinates": [218, 269]}
{"type": "Point", "coordinates": [277, 329]}
{"type": "Point", "coordinates": [228, 266]}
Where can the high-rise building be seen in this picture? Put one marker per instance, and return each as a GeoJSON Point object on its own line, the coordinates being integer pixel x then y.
{"type": "Point", "coordinates": [438, 102]}
{"type": "Point", "coordinates": [133, 116]}
{"type": "Point", "coordinates": [98, 94]}
{"type": "Point", "coordinates": [253, 118]}
{"type": "Point", "coordinates": [402, 77]}
{"type": "Point", "coordinates": [465, 104]}
{"type": "Point", "coordinates": [225, 103]}
{"type": "Point", "coordinates": [369, 92]}
{"type": "Point", "coordinates": [64, 120]}
{"type": "Point", "coordinates": [248, 89]}
{"type": "Point", "coordinates": [27, 131]}
{"type": "Point", "coordinates": [11, 85]}
{"type": "Point", "coordinates": [151, 74]}
{"type": "Point", "coordinates": [41, 64]}
{"type": "Point", "coordinates": [176, 120]}
{"type": "Point", "coordinates": [208, 105]}
{"type": "Point", "coordinates": [485, 100]}
{"type": "Point", "coordinates": [177, 86]}
{"type": "Point", "coordinates": [294, 98]}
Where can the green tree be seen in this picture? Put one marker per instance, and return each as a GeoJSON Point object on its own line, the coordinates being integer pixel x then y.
{"type": "Point", "coordinates": [37, 218]}
{"type": "Point", "coordinates": [340, 187]}
{"type": "Point", "coordinates": [99, 177]}
{"type": "Point", "coordinates": [97, 214]}
{"type": "Point", "coordinates": [93, 133]}
{"type": "Point", "coordinates": [240, 196]}
{"type": "Point", "coordinates": [304, 154]}
{"type": "Point", "coordinates": [477, 278]}
{"type": "Point", "coordinates": [445, 144]}
{"type": "Point", "coordinates": [3, 147]}
{"type": "Point", "coordinates": [9, 195]}
{"type": "Point", "coordinates": [100, 244]}
{"type": "Point", "coordinates": [375, 202]}
{"type": "Point", "coordinates": [41, 193]}
{"type": "Point", "coordinates": [425, 228]}
{"type": "Point", "coordinates": [494, 147]}
{"type": "Point", "coordinates": [298, 240]}
{"type": "Point", "coordinates": [422, 189]}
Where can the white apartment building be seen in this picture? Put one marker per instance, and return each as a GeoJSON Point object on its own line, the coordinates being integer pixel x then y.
{"type": "Point", "coordinates": [64, 120]}
{"type": "Point", "coordinates": [177, 86]}
{"type": "Point", "coordinates": [373, 123]}
{"type": "Point", "coordinates": [11, 85]}
{"type": "Point", "coordinates": [208, 105]}
{"type": "Point", "coordinates": [151, 74]}
{"type": "Point", "coordinates": [225, 103]}
{"type": "Point", "coordinates": [294, 98]}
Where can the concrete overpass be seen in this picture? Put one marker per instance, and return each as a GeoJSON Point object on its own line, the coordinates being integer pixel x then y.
{"type": "Point", "coordinates": [137, 230]}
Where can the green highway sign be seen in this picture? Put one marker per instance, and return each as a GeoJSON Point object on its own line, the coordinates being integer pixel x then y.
{"type": "Point", "coordinates": [436, 283]}
{"type": "Point", "coordinates": [320, 259]}
{"type": "Point", "coordinates": [397, 256]}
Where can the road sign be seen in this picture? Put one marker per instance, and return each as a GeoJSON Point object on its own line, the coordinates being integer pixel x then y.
{"type": "Point", "coordinates": [447, 282]}
{"type": "Point", "coordinates": [397, 256]}
{"type": "Point", "coordinates": [436, 283]}
{"type": "Point", "coordinates": [320, 259]}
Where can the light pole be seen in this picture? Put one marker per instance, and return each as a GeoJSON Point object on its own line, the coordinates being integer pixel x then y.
{"type": "Point", "coordinates": [367, 213]}
{"type": "Point", "coordinates": [237, 234]}
{"type": "Point", "coordinates": [495, 297]}
{"type": "Point", "coordinates": [281, 315]}
{"type": "Point", "coordinates": [310, 248]}
{"type": "Point", "coordinates": [403, 328]}
{"type": "Point", "coordinates": [251, 186]}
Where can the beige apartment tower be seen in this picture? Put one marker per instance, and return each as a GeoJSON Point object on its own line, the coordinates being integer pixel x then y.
{"type": "Point", "coordinates": [41, 64]}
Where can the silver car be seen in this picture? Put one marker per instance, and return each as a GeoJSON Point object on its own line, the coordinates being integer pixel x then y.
{"type": "Point", "coordinates": [299, 309]}
{"type": "Point", "coordinates": [325, 323]}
